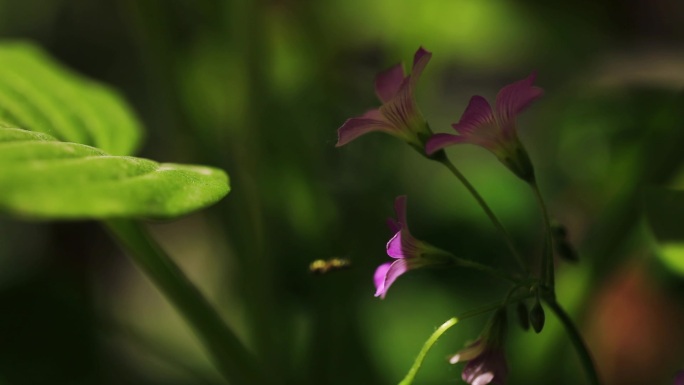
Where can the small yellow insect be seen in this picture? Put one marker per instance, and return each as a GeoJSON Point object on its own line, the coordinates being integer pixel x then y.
{"type": "Point", "coordinates": [322, 266]}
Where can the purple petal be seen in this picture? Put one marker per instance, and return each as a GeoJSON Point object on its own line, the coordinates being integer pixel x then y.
{"type": "Point", "coordinates": [486, 368]}
{"type": "Point", "coordinates": [387, 83]}
{"type": "Point", "coordinates": [515, 97]}
{"type": "Point", "coordinates": [355, 127]}
{"type": "Point", "coordinates": [401, 109]}
{"type": "Point", "coordinates": [420, 60]}
{"type": "Point", "coordinates": [397, 268]}
{"type": "Point", "coordinates": [477, 114]}
{"type": "Point", "coordinates": [379, 278]}
{"type": "Point", "coordinates": [395, 246]}
{"type": "Point", "coordinates": [439, 141]}
{"type": "Point", "coordinates": [374, 114]}
{"type": "Point", "coordinates": [476, 126]}
{"type": "Point", "coordinates": [468, 353]}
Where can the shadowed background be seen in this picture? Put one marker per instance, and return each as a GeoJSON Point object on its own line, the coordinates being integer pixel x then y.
{"type": "Point", "coordinates": [259, 89]}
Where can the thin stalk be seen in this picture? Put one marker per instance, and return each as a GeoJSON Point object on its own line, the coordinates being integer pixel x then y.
{"type": "Point", "coordinates": [547, 269]}
{"type": "Point", "coordinates": [230, 356]}
{"type": "Point", "coordinates": [486, 269]}
{"type": "Point", "coordinates": [408, 379]}
{"type": "Point", "coordinates": [492, 217]}
{"type": "Point", "coordinates": [426, 348]}
{"type": "Point", "coordinates": [577, 341]}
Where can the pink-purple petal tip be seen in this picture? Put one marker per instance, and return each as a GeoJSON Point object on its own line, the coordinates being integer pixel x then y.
{"type": "Point", "coordinates": [354, 127]}
{"type": "Point", "coordinates": [440, 141]}
{"type": "Point", "coordinates": [515, 97]}
{"type": "Point", "coordinates": [379, 278]}
{"type": "Point", "coordinates": [387, 83]}
{"type": "Point", "coordinates": [386, 274]}
{"type": "Point", "coordinates": [477, 114]}
{"type": "Point", "coordinates": [394, 246]}
{"type": "Point", "coordinates": [420, 60]}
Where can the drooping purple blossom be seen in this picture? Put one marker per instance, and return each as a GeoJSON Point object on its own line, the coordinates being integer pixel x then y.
{"type": "Point", "coordinates": [409, 252]}
{"type": "Point", "coordinates": [486, 360]}
{"type": "Point", "coordinates": [398, 115]}
{"type": "Point", "coordinates": [495, 130]}
{"type": "Point", "coordinates": [485, 364]}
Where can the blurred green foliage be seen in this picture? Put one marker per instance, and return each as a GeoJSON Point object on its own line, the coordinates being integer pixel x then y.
{"type": "Point", "coordinates": [258, 88]}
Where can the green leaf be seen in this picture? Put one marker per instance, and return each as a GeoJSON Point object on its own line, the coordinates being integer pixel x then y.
{"type": "Point", "coordinates": [39, 94]}
{"type": "Point", "coordinates": [62, 163]}
{"type": "Point", "coordinates": [664, 209]}
{"type": "Point", "coordinates": [42, 177]}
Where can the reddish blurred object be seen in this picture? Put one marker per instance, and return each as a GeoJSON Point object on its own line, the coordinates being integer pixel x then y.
{"type": "Point", "coordinates": [635, 330]}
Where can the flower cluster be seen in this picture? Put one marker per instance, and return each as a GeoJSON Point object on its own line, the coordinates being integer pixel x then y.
{"type": "Point", "coordinates": [494, 129]}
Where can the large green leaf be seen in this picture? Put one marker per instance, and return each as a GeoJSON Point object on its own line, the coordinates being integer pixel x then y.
{"type": "Point", "coordinates": [45, 178]}
{"type": "Point", "coordinates": [39, 94]}
{"type": "Point", "coordinates": [67, 159]}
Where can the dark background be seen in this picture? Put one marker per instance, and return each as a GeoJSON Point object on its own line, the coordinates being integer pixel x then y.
{"type": "Point", "coordinates": [259, 88]}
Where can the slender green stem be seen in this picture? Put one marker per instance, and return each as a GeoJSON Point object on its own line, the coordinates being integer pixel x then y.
{"type": "Point", "coordinates": [476, 265]}
{"type": "Point", "coordinates": [408, 379]}
{"type": "Point", "coordinates": [577, 341]}
{"type": "Point", "coordinates": [426, 348]}
{"type": "Point", "coordinates": [492, 217]}
{"type": "Point", "coordinates": [231, 357]}
{"type": "Point", "coordinates": [547, 269]}
{"type": "Point", "coordinates": [486, 269]}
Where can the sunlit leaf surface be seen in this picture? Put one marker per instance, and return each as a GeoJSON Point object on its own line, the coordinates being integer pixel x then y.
{"type": "Point", "coordinates": [38, 94]}
{"type": "Point", "coordinates": [45, 178]}
{"type": "Point", "coordinates": [68, 158]}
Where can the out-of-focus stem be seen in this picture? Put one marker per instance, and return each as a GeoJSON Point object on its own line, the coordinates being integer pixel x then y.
{"type": "Point", "coordinates": [547, 269]}
{"type": "Point", "coordinates": [492, 217]}
{"type": "Point", "coordinates": [577, 341]}
{"type": "Point", "coordinates": [230, 356]}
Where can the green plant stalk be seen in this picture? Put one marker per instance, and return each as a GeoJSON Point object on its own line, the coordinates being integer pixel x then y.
{"type": "Point", "coordinates": [426, 348]}
{"type": "Point", "coordinates": [486, 269]}
{"type": "Point", "coordinates": [492, 217]}
{"type": "Point", "coordinates": [230, 356]}
{"type": "Point", "coordinates": [408, 379]}
{"type": "Point", "coordinates": [577, 341]}
{"type": "Point", "coordinates": [547, 269]}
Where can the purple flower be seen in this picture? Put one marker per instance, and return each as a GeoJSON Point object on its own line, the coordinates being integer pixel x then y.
{"type": "Point", "coordinates": [409, 252]}
{"type": "Point", "coordinates": [486, 363]}
{"type": "Point", "coordinates": [398, 115]}
{"type": "Point", "coordinates": [495, 130]}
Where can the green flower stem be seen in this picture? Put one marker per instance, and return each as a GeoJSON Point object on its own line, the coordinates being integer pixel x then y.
{"type": "Point", "coordinates": [408, 379]}
{"type": "Point", "coordinates": [426, 348]}
{"type": "Point", "coordinates": [577, 341]}
{"type": "Point", "coordinates": [231, 357]}
{"type": "Point", "coordinates": [547, 269]}
{"type": "Point", "coordinates": [492, 217]}
{"type": "Point", "coordinates": [486, 269]}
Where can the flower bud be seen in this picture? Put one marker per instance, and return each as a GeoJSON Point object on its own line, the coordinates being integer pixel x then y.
{"type": "Point", "coordinates": [537, 317]}
{"type": "Point", "coordinates": [562, 247]}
